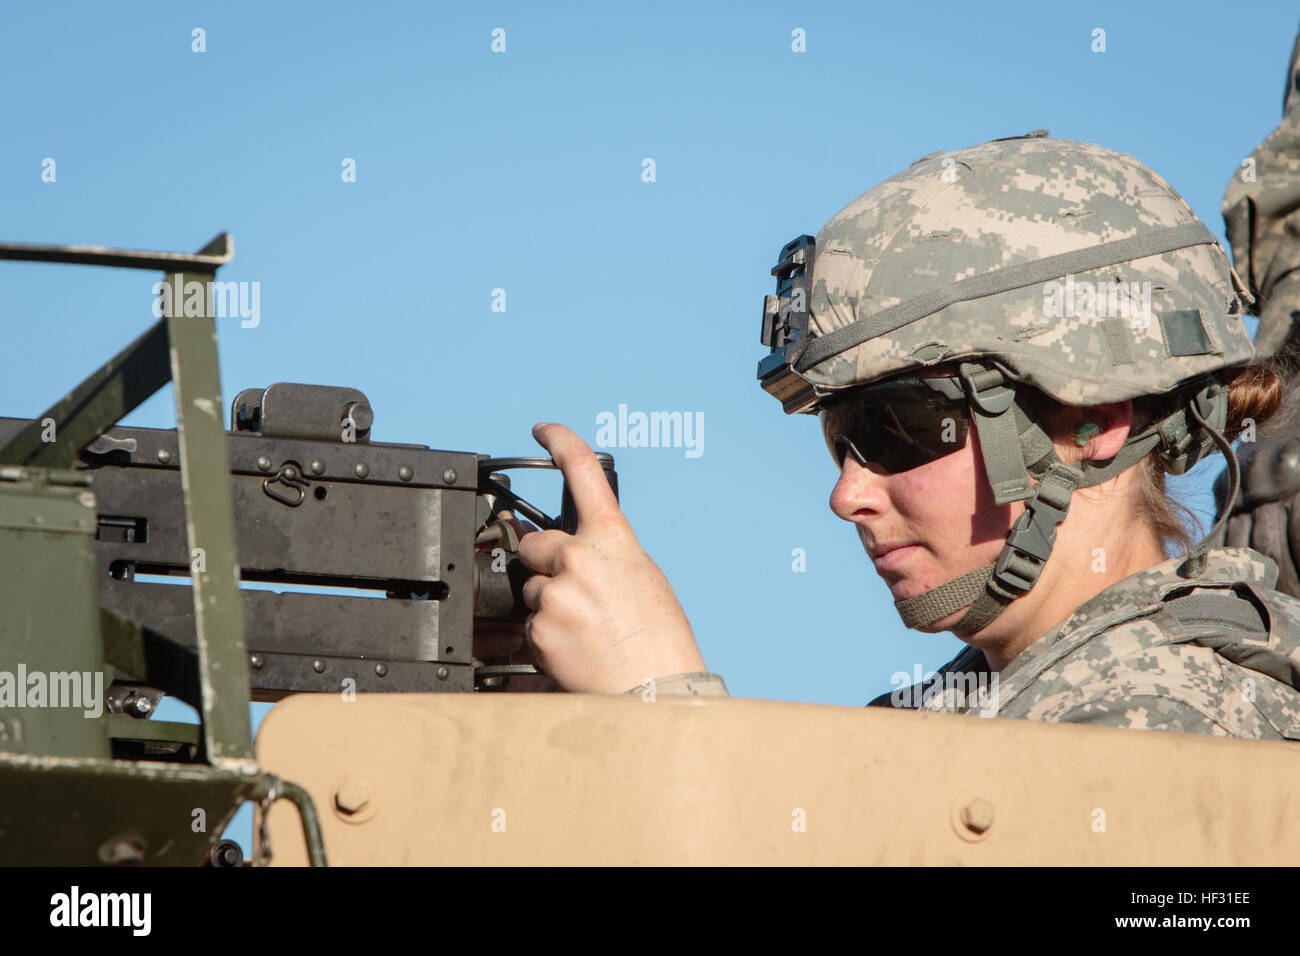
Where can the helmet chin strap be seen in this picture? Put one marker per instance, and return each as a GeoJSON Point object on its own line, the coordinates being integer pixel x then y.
{"type": "Point", "coordinates": [1013, 446]}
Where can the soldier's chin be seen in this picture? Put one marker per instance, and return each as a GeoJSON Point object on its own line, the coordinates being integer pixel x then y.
{"type": "Point", "coordinates": [946, 623]}
{"type": "Point", "coordinates": [941, 625]}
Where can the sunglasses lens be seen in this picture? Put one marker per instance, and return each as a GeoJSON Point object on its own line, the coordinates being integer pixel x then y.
{"type": "Point", "coordinates": [897, 429]}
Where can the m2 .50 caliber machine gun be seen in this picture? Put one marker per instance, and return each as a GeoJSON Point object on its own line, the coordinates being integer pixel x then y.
{"type": "Point", "coordinates": [99, 523]}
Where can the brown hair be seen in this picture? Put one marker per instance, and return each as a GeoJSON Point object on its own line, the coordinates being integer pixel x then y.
{"type": "Point", "coordinates": [1256, 394]}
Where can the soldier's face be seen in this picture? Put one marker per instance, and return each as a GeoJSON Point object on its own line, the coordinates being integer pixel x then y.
{"type": "Point", "coordinates": [942, 512]}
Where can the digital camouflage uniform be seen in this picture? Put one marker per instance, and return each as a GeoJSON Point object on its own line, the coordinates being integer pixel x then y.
{"type": "Point", "coordinates": [1261, 213]}
{"type": "Point", "coordinates": [1155, 651]}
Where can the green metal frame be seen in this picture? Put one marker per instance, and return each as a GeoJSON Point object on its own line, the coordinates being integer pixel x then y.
{"type": "Point", "coordinates": [181, 349]}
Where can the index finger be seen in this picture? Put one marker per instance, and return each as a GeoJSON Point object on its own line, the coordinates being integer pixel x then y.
{"type": "Point", "coordinates": [582, 472]}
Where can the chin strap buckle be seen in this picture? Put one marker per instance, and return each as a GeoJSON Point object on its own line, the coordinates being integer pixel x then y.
{"type": "Point", "coordinates": [1029, 543]}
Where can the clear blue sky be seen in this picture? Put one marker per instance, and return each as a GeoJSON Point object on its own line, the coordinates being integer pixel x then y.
{"type": "Point", "coordinates": [522, 171]}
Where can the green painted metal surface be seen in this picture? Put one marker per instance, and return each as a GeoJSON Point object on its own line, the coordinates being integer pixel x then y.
{"type": "Point", "coordinates": [52, 682]}
{"type": "Point", "coordinates": [64, 799]}
{"type": "Point", "coordinates": [86, 812]}
{"type": "Point", "coordinates": [205, 477]}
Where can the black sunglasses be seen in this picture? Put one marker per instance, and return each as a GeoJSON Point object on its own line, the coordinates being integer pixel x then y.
{"type": "Point", "coordinates": [900, 424]}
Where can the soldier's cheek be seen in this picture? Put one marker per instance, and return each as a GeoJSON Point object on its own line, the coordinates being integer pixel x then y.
{"type": "Point", "coordinates": [945, 489]}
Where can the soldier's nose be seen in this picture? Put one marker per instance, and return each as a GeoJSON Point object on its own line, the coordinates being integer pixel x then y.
{"type": "Point", "coordinates": [858, 490]}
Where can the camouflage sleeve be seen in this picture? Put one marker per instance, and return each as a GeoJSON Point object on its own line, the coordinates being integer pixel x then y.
{"type": "Point", "coordinates": [1144, 712]}
{"type": "Point", "coordinates": [697, 684]}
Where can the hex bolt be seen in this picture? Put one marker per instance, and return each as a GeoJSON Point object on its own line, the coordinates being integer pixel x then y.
{"type": "Point", "coordinates": [164, 456]}
{"type": "Point", "coordinates": [977, 815]}
{"type": "Point", "coordinates": [361, 470]}
{"type": "Point", "coordinates": [351, 797]}
{"type": "Point", "coordinates": [318, 666]}
{"type": "Point", "coordinates": [256, 661]}
{"type": "Point", "coordinates": [264, 463]}
{"type": "Point", "coordinates": [317, 466]}
{"type": "Point", "coordinates": [443, 673]}
{"type": "Point", "coordinates": [449, 476]}
{"type": "Point", "coordinates": [381, 670]}
{"type": "Point", "coordinates": [405, 473]}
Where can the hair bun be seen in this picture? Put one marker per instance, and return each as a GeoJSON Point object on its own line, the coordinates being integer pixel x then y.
{"type": "Point", "coordinates": [1255, 394]}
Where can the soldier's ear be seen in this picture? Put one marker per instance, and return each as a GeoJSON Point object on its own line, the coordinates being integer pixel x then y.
{"type": "Point", "coordinates": [1110, 427]}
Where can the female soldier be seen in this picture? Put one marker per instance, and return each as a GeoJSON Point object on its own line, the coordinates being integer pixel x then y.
{"type": "Point", "coordinates": [1009, 346]}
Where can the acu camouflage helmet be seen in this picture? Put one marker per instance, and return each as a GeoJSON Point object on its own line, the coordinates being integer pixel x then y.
{"type": "Point", "coordinates": [1028, 261]}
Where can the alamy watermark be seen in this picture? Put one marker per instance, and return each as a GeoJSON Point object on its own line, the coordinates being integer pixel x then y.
{"type": "Point", "coordinates": [221, 300]}
{"type": "Point", "coordinates": [651, 430]}
{"type": "Point", "coordinates": [84, 690]}
{"type": "Point", "coordinates": [1081, 298]}
{"type": "Point", "coordinates": [75, 908]}
{"type": "Point", "coordinates": [952, 690]}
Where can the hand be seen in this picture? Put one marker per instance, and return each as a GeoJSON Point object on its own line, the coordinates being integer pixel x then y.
{"type": "Point", "coordinates": [500, 639]}
{"type": "Point", "coordinates": [605, 616]}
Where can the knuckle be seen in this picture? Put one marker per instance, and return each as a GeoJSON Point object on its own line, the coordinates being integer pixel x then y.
{"type": "Point", "coordinates": [537, 637]}
{"type": "Point", "coordinates": [532, 591]}
{"type": "Point", "coordinates": [574, 559]}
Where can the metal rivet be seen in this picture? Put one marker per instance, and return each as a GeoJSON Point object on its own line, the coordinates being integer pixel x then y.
{"type": "Point", "coordinates": [443, 673]}
{"type": "Point", "coordinates": [317, 467]}
{"type": "Point", "coordinates": [264, 463]}
{"type": "Point", "coordinates": [318, 666]}
{"type": "Point", "coordinates": [256, 660]}
{"type": "Point", "coordinates": [405, 473]}
{"type": "Point", "coordinates": [86, 499]}
{"type": "Point", "coordinates": [977, 816]}
{"type": "Point", "coordinates": [164, 455]}
{"type": "Point", "coordinates": [449, 476]}
{"type": "Point", "coordinates": [361, 470]}
{"type": "Point", "coordinates": [138, 706]}
{"type": "Point", "coordinates": [381, 670]}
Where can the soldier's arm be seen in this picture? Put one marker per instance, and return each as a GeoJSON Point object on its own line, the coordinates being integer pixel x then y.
{"type": "Point", "coordinates": [696, 684]}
